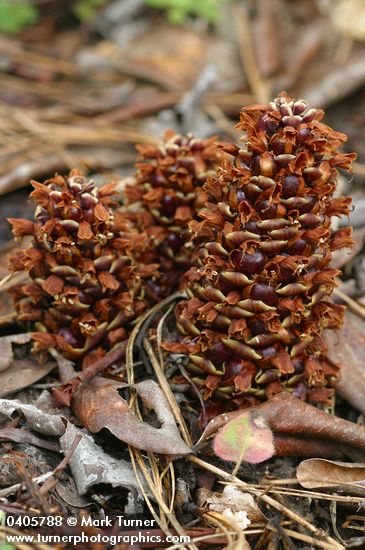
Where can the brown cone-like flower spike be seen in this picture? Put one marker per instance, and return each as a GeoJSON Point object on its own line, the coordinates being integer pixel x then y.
{"type": "Point", "coordinates": [259, 295]}
{"type": "Point", "coordinates": [86, 286]}
{"type": "Point", "coordinates": [168, 189]}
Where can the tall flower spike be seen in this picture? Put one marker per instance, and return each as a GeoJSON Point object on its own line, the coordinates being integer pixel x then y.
{"type": "Point", "coordinates": [259, 294]}
{"type": "Point", "coordinates": [167, 191]}
{"type": "Point", "coordinates": [86, 286]}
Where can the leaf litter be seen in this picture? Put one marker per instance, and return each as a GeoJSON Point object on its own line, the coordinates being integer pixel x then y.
{"type": "Point", "coordinates": [98, 405]}
{"type": "Point", "coordinates": [90, 465]}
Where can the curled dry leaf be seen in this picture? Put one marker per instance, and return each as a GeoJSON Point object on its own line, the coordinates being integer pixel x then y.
{"type": "Point", "coordinates": [300, 429]}
{"type": "Point", "coordinates": [98, 405]}
{"type": "Point", "coordinates": [6, 348]}
{"type": "Point", "coordinates": [318, 473]}
{"type": "Point", "coordinates": [91, 466]}
{"type": "Point", "coordinates": [37, 420]}
{"type": "Point", "coordinates": [346, 346]}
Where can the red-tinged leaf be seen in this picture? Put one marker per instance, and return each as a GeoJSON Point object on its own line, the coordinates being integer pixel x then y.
{"type": "Point", "coordinates": [346, 346]}
{"type": "Point", "coordinates": [291, 416]}
{"type": "Point", "coordinates": [245, 438]}
{"type": "Point", "coordinates": [98, 405]}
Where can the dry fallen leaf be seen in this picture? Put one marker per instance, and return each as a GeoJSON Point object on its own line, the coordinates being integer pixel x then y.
{"type": "Point", "coordinates": [318, 473]}
{"type": "Point", "coordinates": [246, 437]}
{"type": "Point", "coordinates": [234, 499]}
{"type": "Point", "coordinates": [16, 374]}
{"type": "Point", "coordinates": [6, 348]}
{"type": "Point", "coordinates": [300, 429]}
{"type": "Point", "coordinates": [98, 405]}
{"type": "Point", "coordinates": [37, 420]}
{"type": "Point", "coordinates": [90, 465]}
{"type": "Point", "coordinates": [20, 435]}
{"type": "Point", "coordinates": [346, 347]}
{"type": "Point", "coordinates": [21, 374]}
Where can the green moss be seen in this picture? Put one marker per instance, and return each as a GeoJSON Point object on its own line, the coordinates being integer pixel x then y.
{"type": "Point", "coordinates": [85, 9]}
{"type": "Point", "coordinates": [178, 10]}
{"type": "Point", "coordinates": [15, 15]}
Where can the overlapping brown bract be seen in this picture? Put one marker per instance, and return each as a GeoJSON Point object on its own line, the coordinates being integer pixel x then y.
{"type": "Point", "coordinates": [258, 297]}
{"type": "Point", "coordinates": [85, 262]}
{"type": "Point", "coordinates": [166, 194]}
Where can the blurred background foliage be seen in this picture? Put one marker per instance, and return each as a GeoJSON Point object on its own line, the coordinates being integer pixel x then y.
{"type": "Point", "coordinates": [15, 15]}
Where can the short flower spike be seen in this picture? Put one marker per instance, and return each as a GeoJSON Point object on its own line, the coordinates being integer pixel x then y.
{"type": "Point", "coordinates": [168, 189]}
{"type": "Point", "coordinates": [84, 262]}
{"type": "Point", "coordinates": [259, 292]}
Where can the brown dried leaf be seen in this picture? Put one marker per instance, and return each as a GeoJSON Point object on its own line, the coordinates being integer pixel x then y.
{"type": "Point", "coordinates": [346, 346]}
{"type": "Point", "coordinates": [21, 374]}
{"type": "Point", "coordinates": [317, 472]}
{"type": "Point", "coordinates": [6, 348]}
{"type": "Point", "coordinates": [98, 405]}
